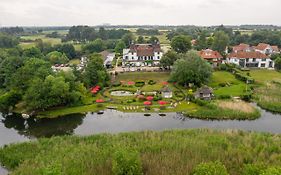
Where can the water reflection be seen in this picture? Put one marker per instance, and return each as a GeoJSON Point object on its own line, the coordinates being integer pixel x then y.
{"type": "Point", "coordinates": [35, 128]}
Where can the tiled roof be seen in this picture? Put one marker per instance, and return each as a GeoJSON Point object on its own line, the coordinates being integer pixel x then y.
{"type": "Point", "coordinates": [210, 54]}
{"type": "Point", "coordinates": [241, 47]}
{"type": "Point", "coordinates": [262, 46]}
{"type": "Point", "coordinates": [275, 48]}
{"type": "Point", "coordinates": [145, 49]}
{"type": "Point", "coordinates": [247, 55]}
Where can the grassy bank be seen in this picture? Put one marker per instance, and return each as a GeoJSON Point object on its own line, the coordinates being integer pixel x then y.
{"type": "Point", "coordinates": [226, 110]}
{"type": "Point", "coordinates": [169, 152]}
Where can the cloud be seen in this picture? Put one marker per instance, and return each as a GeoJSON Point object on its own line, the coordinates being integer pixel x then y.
{"type": "Point", "coordinates": [167, 12]}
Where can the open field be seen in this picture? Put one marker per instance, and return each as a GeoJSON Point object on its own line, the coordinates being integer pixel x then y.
{"type": "Point", "coordinates": [262, 76]}
{"type": "Point", "coordinates": [168, 152]}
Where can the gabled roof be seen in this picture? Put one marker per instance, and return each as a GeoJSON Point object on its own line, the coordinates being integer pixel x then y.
{"type": "Point", "coordinates": [145, 49]}
{"type": "Point", "coordinates": [253, 54]}
{"type": "Point", "coordinates": [241, 47]}
{"type": "Point", "coordinates": [262, 46]}
{"type": "Point", "coordinates": [210, 54]}
{"type": "Point", "coordinates": [275, 48]}
{"type": "Point", "coordinates": [205, 90]}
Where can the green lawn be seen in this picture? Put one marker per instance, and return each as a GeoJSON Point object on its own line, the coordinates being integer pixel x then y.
{"type": "Point", "coordinates": [169, 152]}
{"type": "Point", "coordinates": [263, 75]}
{"type": "Point", "coordinates": [232, 86]}
{"type": "Point", "coordinates": [143, 76]}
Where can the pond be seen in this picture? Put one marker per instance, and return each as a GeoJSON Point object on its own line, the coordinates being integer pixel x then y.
{"type": "Point", "coordinates": [121, 93]}
{"type": "Point", "coordinates": [15, 129]}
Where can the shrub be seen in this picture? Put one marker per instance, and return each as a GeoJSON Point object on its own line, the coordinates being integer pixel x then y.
{"type": "Point", "coordinates": [116, 84]}
{"type": "Point", "coordinates": [126, 162]}
{"type": "Point", "coordinates": [151, 82]}
{"type": "Point", "coordinates": [246, 97]}
{"type": "Point", "coordinates": [140, 84]}
{"type": "Point", "coordinates": [251, 169]}
{"type": "Point", "coordinates": [223, 97]}
{"type": "Point", "coordinates": [130, 101]}
{"type": "Point", "coordinates": [211, 168]}
{"type": "Point", "coordinates": [222, 84]}
{"type": "Point", "coordinates": [272, 171]}
{"type": "Point", "coordinates": [200, 102]}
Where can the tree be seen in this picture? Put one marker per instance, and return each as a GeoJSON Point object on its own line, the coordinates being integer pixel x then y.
{"type": "Point", "coordinates": [153, 40]}
{"type": "Point", "coordinates": [32, 68]}
{"type": "Point", "coordinates": [94, 47]}
{"type": "Point", "coordinates": [95, 73]}
{"type": "Point", "coordinates": [43, 94]}
{"type": "Point", "coordinates": [68, 49]}
{"type": "Point", "coordinates": [7, 41]}
{"type": "Point", "coordinates": [33, 52]}
{"type": "Point", "coordinates": [190, 68]}
{"type": "Point", "coordinates": [120, 46]}
{"type": "Point", "coordinates": [140, 40]}
{"type": "Point", "coordinates": [128, 39]}
{"type": "Point", "coordinates": [168, 59]}
{"type": "Point", "coordinates": [181, 43]}
{"type": "Point", "coordinates": [202, 41]}
{"type": "Point", "coordinates": [210, 42]}
{"type": "Point", "coordinates": [211, 168]}
{"type": "Point", "coordinates": [278, 64]}
{"type": "Point", "coordinates": [56, 57]}
{"type": "Point", "coordinates": [221, 41]}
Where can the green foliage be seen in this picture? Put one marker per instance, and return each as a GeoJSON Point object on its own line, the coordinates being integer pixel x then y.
{"type": "Point", "coordinates": [278, 64]}
{"type": "Point", "coordinates": [128, 39]}
{"type": "Point", "coordinates": [221, 41]}
{"type": "Point", "coordinates": [168, 59]}
{"type": "Point", "coordinates": [8, 100]}
{"type": "Point", "coordinates": [94, 47]}
{"type": "Point", "coordinates": [120, 46]}
{"type": "Point", "coordinates": [33, 52]}
{"type": "Point", "coordinates": [95, 73]}
{"type": "Point", "coordinates": [126, 162]}
{"type": "Point", "coordinates": [169, 152]}
{"type": "Point", "coordinates": [7, 41]}
{"type": "Point", "coordinates": [181, 43]}
{"type": "Point", "coordinates": [151, 82]}
{"type": "Point", "coordinates": [191, 69]}
{"type": "Point", "coordinates": [140, 84]}
{"type": "Point", "coordinates": [211, 168]}
{"type": "Point", "coordinates": [140, 40]}
{"type": "Point", "coordinates": [56, 57]}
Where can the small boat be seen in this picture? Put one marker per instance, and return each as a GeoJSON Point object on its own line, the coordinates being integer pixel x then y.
{"type": "Point", "coordinates": [100, 112]}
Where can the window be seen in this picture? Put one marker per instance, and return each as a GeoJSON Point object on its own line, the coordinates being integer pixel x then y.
{"type": "Point", "coordinates": [263, 65]}
{"type": "Point", "coordinates": [254, 59]}
{"type": "Point", "coordinates": [158, 57]}
{"type": "Point", "coordinates": [264, 59]}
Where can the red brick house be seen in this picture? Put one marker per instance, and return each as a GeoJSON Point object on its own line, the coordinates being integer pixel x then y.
{"type": "Point", "coordinates": [213, 57]}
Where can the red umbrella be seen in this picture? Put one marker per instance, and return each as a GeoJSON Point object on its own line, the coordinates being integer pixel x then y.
{"type": "Point", "coordinates": [99, 101]}
{"type": "Point", "coordinates": [149, 98]}
{"type": "Point", "coordinates": [162, 102]}
{"type": "Point", "coordinates": [147, 103]}
{"type": "Point", "coordinates": [131, 83]}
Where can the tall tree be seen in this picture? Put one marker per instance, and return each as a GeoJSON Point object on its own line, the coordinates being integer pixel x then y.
{"type": "Point", "coordinates": [120, 46]}
{"type": "Point", "coordinates": [95, 73]}
{"type": "Point", "coordinates": [221, 41]}
{"type": "Point", "coordinates": [190, 68]}
{"type": "Point", "coordinates": [56, 57]}
{"type": "Point", "coordinates": [94, 47]}
{"type": "Point", "coordinates": [168, 59]}
{"type": "Point", "coordinates": [128, 39]}
{"type": "Point", "coordinates": [140, 40]}
{"type": "Point", "coordinates": [278, 64]}
{"type": "Point", "coordinates": [181, 43]}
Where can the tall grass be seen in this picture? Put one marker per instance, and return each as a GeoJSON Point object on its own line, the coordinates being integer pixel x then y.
{"type": "Point", "coordinates": [169, 152]}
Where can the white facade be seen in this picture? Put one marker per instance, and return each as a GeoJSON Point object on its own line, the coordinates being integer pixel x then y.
{"type": "Point", "coordinates": [252, 62]}
{"type": "Point", "coordinates": [268, 50]}
{"type": "Point", "coordinates": [152, 58]}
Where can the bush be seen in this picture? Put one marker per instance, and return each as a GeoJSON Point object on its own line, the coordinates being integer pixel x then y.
{"type": "Point", "coordinates": [222, 84]}
{"type": "Point", "coordinates": [223, 97]}
{"type": "Point", "coordinates": [211, 168]}
{"type": "Point", "coordinates": [151, 82]}
{"type": "Point", "coordinates": [116, 84]}
{"type": "Point", "coordinates": [251, 169]}
{"type": "Point", "coordinates": [272, 171]}
{"type": "Point", "coordinates": [140, 84]}
{"type": "Point", "coordinates": [126, 162]}
{"type": "Point", "coordinates": [246, 97]}
{"type": "Point", "coordinates": [200, 102]}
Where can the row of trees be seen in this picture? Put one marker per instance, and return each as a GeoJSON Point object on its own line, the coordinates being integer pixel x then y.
{"type": "Point", "coordinates": [86, 33]}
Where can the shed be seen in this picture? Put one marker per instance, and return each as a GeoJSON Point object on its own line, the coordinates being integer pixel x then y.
{"type": "Point", "coordinates": [166, 92]}
{"type": "Point", "coordinates": [204, 93]}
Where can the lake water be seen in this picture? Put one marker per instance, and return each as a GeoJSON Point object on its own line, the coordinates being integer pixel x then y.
{"type": "Point", "coordinates": [15, 129]}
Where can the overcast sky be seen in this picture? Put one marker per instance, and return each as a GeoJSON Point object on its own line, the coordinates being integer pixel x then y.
{"type": "Point", "coordinates": [156, 12]}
